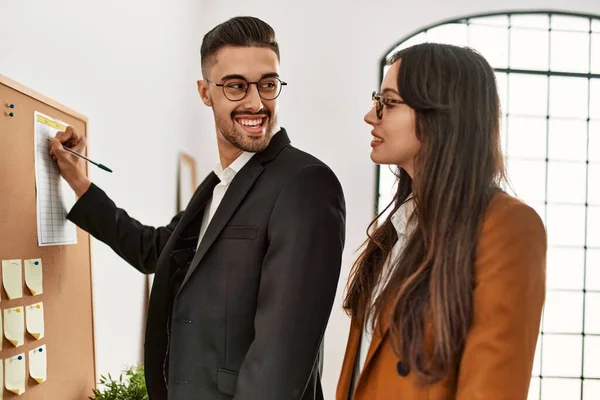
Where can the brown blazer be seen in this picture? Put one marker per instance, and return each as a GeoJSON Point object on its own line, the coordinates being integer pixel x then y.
{"type": "Point", "coordinates": [510, 276]}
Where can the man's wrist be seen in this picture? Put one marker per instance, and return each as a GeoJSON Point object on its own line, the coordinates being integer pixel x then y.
{"type": "Point", "coordinates": [81, 186]}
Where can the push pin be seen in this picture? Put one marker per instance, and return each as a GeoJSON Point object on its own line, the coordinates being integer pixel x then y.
{"type": "Point", "coordinates": [12, 106]}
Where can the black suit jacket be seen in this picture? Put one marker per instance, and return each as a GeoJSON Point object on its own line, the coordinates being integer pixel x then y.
{"type": "Point", "coordinates": [244, 315]}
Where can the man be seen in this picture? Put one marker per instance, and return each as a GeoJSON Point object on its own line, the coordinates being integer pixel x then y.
{"type": "Point", "coordinates": [246, 276]}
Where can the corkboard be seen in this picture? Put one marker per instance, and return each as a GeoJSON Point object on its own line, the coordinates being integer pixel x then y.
{"type": "Point", "coordinates": [67, 277]}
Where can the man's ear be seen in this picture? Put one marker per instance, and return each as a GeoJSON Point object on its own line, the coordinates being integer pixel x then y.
{"type": "Point", "coordinates": [204, 93]}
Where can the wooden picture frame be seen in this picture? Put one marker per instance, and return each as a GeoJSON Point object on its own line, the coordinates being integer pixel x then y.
{"type": "Point", "coordinates": [186, 180]}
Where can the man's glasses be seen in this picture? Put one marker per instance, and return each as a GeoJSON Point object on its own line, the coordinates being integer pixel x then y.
{"type": "Point", "coordinates": [236, 89]}
{"type": "Point", "coordinates": [379, 101]}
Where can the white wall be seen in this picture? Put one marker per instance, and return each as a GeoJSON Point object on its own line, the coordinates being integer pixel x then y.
{"type": "Point", "coordinates": [330, 57]}
{"type": "Point", "coordinates": [130, 67]}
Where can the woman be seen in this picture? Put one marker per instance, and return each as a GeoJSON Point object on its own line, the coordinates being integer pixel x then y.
{"type": "Point", "coordinates": [446, 298]}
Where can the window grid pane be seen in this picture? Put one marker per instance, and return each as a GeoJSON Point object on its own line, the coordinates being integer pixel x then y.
{"type": "Point", "coordinates": [595, 53]}
{"type": "Point", "coordinates": [570, 51]}
{"type": "Point", "coordinates": [548, 74]}
{"type": "Point", "coordinates": [570, 23]}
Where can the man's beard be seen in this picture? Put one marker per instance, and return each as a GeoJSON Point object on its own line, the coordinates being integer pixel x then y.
{"type": "Point", "coordinates": [243, 142]}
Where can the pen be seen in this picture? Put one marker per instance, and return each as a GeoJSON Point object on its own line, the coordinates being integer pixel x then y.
{"type": "Point", "coordinates": [104, 167]}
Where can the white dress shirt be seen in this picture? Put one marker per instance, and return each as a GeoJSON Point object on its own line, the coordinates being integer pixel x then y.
{"type": "Point", "coordinates": [225, 176]}
{"type": "Point", "coordinates": [400, 222]}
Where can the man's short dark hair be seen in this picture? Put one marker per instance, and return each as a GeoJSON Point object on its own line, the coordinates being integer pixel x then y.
{"type": "Point", "coordinates": [236, 32]}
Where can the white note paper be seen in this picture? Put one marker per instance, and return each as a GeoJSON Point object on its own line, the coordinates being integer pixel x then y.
{"type": "Point", "coordinates": [37, 364]}
{"type": "Point", "coordinates": [15, 374]}
{"type": "Point", "coordinates": [33, 276]}
{"type": "Point", "coordinates": [34, 318]}
{"type": "Point", "coordinates": [54, 196]}
{"type": "Point", "coordinates": [12, 278]}
{"type": "Point", "coordinates": [14, 325]}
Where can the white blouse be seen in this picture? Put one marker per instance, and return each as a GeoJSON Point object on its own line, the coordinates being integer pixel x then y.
{"type": "Point", "coordinates": [400, 222]}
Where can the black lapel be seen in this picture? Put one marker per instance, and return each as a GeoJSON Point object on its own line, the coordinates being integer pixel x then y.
{"type": "Point", "coordinates": [183, 241]}
{"type": "Point", "coordinates": [236, 193]}
{"type": "Point", "coordinates": [197, 205]}
{"type": "Point", "coordinates": [279, 141]}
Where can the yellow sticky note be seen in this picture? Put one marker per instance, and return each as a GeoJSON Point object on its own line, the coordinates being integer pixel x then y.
{"type": "Point", "coordinates": [14, 325]}
{"type": "Point", "coordinates": [1, 378]}
{"type": "Point", "coordinates": [37, 364]}
{"type": "Point", "coordinates": [1, 334]}
{"type": "Point", "coordinates": [14, 377]}
{"type": "Point", "coordinates": [12, 277]}
{"type": "Point", "coordinates": [34, 318]}
{"type": "Point", "coordinates": [33, 276]}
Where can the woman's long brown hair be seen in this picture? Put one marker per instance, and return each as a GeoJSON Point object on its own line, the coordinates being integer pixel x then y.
{"type": "Point", "coordinates": [459, 166]}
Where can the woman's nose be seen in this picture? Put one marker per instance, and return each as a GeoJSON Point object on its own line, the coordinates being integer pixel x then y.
{"type": "Point", "coordinates": [371, 117]}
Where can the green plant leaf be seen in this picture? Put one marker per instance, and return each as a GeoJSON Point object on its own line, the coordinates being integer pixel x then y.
{"type": "Point", "coordinates": [131, 385]}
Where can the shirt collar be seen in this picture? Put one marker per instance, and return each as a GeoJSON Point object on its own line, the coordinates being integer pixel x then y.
{"type": "Point", "coordinates": [400, 218]}
{"type": "Point", "coordinates": [226, 175]}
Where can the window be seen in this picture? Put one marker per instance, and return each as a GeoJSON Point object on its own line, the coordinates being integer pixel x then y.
{"type": "Point", "coordinates": [548, 72]}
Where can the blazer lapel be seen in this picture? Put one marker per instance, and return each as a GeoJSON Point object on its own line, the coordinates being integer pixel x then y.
{"type": "Point", "coordinates": [235, 194]}
{"type": "Point", "coordinates": [197, 204]}
{"type": "Point", "coordinates": [381, 331]}
{"type": "Point", "coordinates": [183, 241]}
{"type": "Point", "coordinates": [349, 363]}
